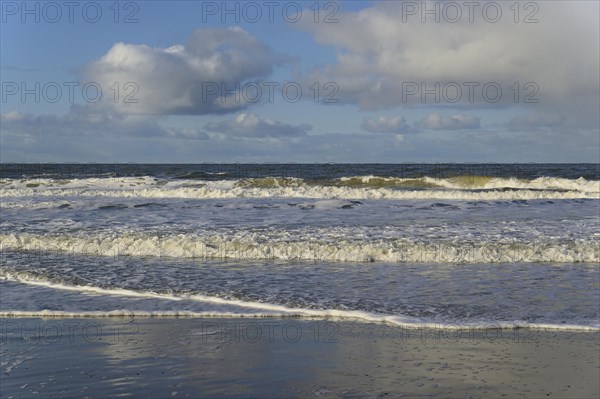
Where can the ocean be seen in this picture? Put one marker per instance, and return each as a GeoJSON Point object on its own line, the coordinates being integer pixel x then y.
{"type": "Point", "coordinates": [450, 245]}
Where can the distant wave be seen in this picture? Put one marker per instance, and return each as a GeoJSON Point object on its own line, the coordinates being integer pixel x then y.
{"type": "Point", "coordinates": [264, 310]}
{"type": "Point", "coordinates": [285, 247]}
{"type": "Point", "coordinates": [358, 187]}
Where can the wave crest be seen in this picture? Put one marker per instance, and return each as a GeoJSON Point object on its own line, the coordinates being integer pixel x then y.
{"type": "Point", "coordinates": [252, 247]}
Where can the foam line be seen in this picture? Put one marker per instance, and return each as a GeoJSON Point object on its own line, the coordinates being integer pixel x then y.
{"type": "Point", "coordinates": [269, 310]}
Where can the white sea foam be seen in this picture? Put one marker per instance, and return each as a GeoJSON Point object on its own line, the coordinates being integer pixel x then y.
{"type": "Point", "coordinates": [264, 310]}
{"type": "Point", "coordinates": [362, 187]}
{"type": "Point", "coordinates": [541, 183]}
{"type": "Point", "coordinates": [471, 182]}
{"type": "Point", "coordinates": [284, 247]}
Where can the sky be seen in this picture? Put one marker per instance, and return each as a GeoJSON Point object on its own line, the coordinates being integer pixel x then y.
{"type": "Point", "coordinates": [300, 81]}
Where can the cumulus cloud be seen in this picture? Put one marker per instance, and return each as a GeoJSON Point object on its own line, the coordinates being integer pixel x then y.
{"type": "Point", "coordinates": [251, 125]}
{"type": "Point", "coordinates": [384, 124]}
{"type": "Point", "coordinates": [435, 121]}
{"type": "Point", "coordinates": [14, 117]}
{"type": "Point", "coordinates": [379, 54]}
{"type": "Point", "coordinates": [196, 78]}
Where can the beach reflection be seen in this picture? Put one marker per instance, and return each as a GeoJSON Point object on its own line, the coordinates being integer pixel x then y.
{"type": "Point", "coordinates": [268, 357]}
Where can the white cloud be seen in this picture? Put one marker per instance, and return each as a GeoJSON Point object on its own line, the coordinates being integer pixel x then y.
{"type": "Point", "coordinates": [182, 79]}
{"type": "Point", "coordinates": [86, 136]}
{"type": "Point", "coordinates": [435, 121]}
{"type": "Point", "coordinates": [377, 53]}
{"type": "Point", "coordinates": [251, 125]}
{"type": "Point", "coordinates": [384, 124]}
{"type": "Point", "coordinates": [13, 116]}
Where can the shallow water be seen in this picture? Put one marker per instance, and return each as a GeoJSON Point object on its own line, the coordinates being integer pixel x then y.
{"type": "Point", "coordinates": [401, 243]}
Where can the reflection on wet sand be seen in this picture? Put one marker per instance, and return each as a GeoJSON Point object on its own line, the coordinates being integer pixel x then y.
{"type": "Point", "coordinates": [289, 358]}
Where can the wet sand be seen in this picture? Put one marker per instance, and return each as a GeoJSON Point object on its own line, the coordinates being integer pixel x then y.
{"type": "Point", "coordinates": [276, 358]}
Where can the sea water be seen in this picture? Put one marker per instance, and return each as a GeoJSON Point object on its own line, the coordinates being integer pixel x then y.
{"type": "Point", "coordinates": [409, 244]}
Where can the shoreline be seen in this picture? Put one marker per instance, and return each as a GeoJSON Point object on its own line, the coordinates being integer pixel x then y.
{"type": "Point", "coordinates": [304, 315]}
{"type": "Point", "coordinates": [288, 357]}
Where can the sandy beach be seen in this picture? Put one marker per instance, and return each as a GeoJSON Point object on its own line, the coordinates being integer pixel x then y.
{"type": "Point", "coordinates": [178, 357]}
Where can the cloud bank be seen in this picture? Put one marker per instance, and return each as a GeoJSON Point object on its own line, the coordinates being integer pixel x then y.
{"type": "Point", "coordinates": [251, 125]}
{"type": "Point", "coordinates": [383, 58]}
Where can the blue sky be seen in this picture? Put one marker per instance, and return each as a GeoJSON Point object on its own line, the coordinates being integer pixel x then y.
{"type": "Point", "coordinates": [390, 71]}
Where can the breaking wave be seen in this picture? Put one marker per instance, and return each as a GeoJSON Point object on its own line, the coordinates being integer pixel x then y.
{"type": "Point", "coordinates": [358, 187]}
{"type": "Point", "coordinates": [285, 247]}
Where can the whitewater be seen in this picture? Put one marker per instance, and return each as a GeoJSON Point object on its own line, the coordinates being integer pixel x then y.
{"type": "Point", "coordinates": [377, 243]}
